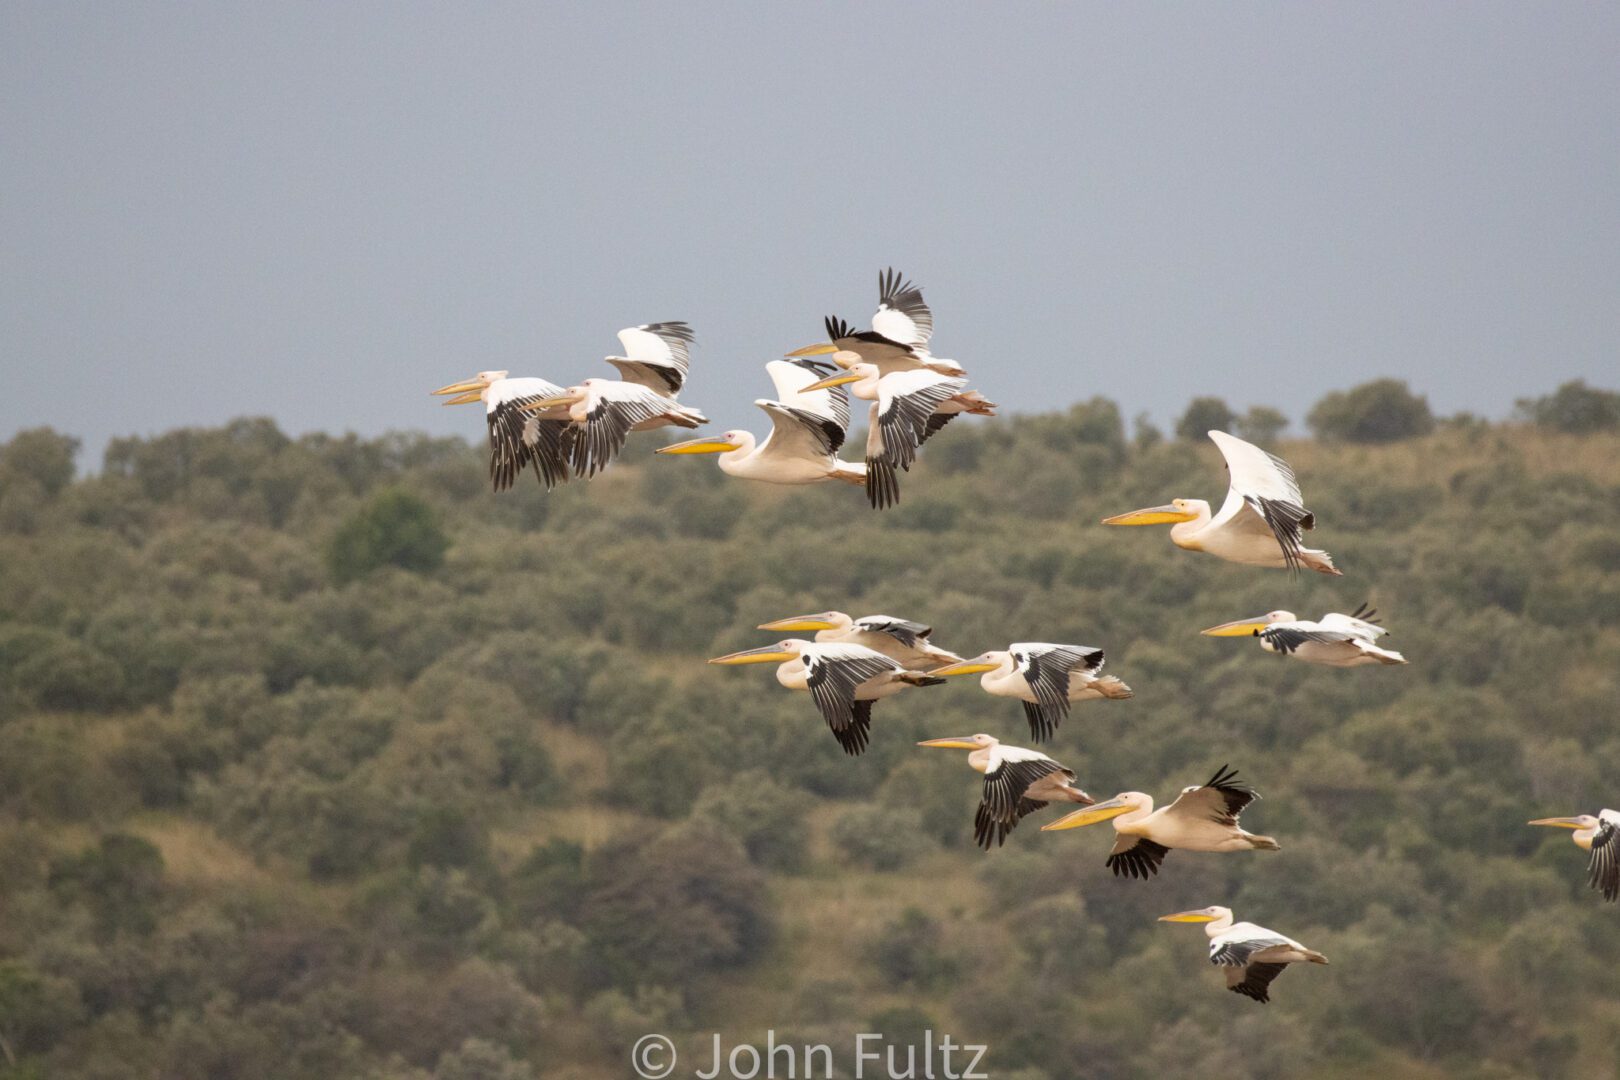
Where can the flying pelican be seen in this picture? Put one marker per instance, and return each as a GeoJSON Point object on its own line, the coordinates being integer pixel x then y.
{"type": "Point", "coordinates": [807, 430]}
{"type": "Point", "coordinates": [1261, 523]}
{"type": "Point", "coordinates": [1017, 782]}
{"type": "Point", "coordinates": [1045, 677]}
{"type": "Point", "coordinates": [1601, 836]}
{"type": "Point", "coordinates": [898, 340]}
{"type": "Point", "coordinates": [517, 438]}
{"type": "Point", "coordinates": [1335, 640]}
{"type": "Point", "coordinates": [843, 679]}
{"type": "Point", "coordinates": [1252, 955]}
{"type": "Point", "coordinates": [1201, 819]}
{"type": "Point", "coordinates": [902, 639]}
{"type": "Point", "coordinates": [908, 409]}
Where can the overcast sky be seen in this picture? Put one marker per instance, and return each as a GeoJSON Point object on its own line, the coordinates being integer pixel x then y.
{"type": "Point", "coordinates": [321, 211]}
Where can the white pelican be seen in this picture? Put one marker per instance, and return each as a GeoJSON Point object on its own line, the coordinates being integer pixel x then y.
{"type": "Point", "coordinates": [657, 355]}
{"type": "Point", "coordinates": [1045, 677]}
{"type": "Point", "coordinates": [1261, 523]}
{"type": "Point", "coordinates": [1252, 955]}
{"type": "Point", "coordinates": [1201, 819]}
{"type": "Point", "coordinates": [807, 430]}
{"type": "Point", "coordinates": [1335, 640]}
{"type": "Point", "coordinates": [517, 438]}
{"type": "Point", "coordinates": [1601, 836]}
{"type": "Point", "coordinates": [844, 680]}
{"type": "Point", "coordinates": [908, 408]}
{"type": "Point", "coordinates": [1017, 782]}
{"type": "Point", "coordinates": [898, 340]}
{"type": "Point", "coordinates": [904, 640]}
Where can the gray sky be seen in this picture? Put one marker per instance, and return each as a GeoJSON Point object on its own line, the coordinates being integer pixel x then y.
{"type": "Point", "coordinates": [320, 212]}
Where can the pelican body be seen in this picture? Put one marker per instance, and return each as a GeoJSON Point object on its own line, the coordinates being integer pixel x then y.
{"type": "Point", "coordinates": [519, 435]}
{"type": "Point", "coordinates": [1261, 523]}
{"type": "Point", "coordinates": [1599, 835]}
{"type": "Point", "coordinates": [1252, 955]}
{"type": "Point", "coordinates": [906, 641]}
{"type": "Point", "coordinates": [1202, 818]}
{"type": "Point", "coordinates": [1334, 640]}
{"type": "Point", "coordinates": [1017, 782]}
{"type": "Point", "coordinates": [843, 679]}
{"type": "Point", "coordinates": [1045, 677]}
{"type": "Point", "coordinates": [807, 431]}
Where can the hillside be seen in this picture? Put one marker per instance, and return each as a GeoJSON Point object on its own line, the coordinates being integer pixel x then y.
{"type": "Point", "coordinates": [290, 788]}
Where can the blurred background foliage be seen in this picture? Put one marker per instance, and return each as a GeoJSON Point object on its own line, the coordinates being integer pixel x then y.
{"type": "Point", "coordinates": [317, 759]}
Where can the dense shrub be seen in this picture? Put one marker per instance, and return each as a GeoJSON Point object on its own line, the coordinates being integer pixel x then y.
{"type": "Point", "coordinates": [1381, 411]}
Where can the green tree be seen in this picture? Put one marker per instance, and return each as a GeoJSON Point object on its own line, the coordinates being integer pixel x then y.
{"type": "Point", "coordinates": [394, 528]}
{"type": "Point", "coordinates": [1204, 414]}
{"type": "Point", "coordinates": [1261, 424]}
{"type": "Point", "coordinates": [1381, 411]}
{"type": "Point", "coordinates": [40, 455]}
{"type": "Point", "coordinates": [1574, 408]}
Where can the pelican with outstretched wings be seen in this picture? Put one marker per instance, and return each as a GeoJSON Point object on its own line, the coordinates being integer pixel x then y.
{"type": "Point", "coordinates": [518, 437]}
{"type": "Point", "coordinates": [898, 340]}
{"type": "Point", "coordinates": [1017, 782]}
{"type": "Point", "coordinates": [1261, 523]}
{"type": "Point", "coordinates": [1251, 955]}
{"type": "Point", "coordinates": [1045, 677]}
{"type": "Point", "coordinates": [908, 642]}
{"type": "Point", "coordinates": [1334, 640]}
{"type": "Point", "coordinates": [1599, 835]}
{"type": "Point", "coordinates": [1203, 818]}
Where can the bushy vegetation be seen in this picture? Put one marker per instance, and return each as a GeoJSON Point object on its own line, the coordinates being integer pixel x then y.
{"type": "Point", "coordinates": [285, 794]}
{"type": "Point", "coordinates": [1384, 410]}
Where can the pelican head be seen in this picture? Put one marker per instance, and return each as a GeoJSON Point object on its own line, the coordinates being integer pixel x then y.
{"type": "Point", "coordinates": [963, 742]}
{"type": "Point", "coordinates": [856, 371]}
{"type": "Point", "coordinates": [1248, 627]}
{"type": "Point", "coordinates": [723, 443]}
{"type": "Point", "coordinates": [1123, 803]}
{"type": "Point", "coordinates": [1201, 915]}
{"type": "Point", "coordinates": [470, 390]}
{"type": "Point", "coordinates": [1579, 821]}
{"type": "Point", "coordinates": [804, 624]}
{"type": "Point", "coordinates": [844, 358]}
{"type": "Point", "coordinates": [1172, 513]}
{"type": "Point", "coordinates": [780, 653]}
{"type": "Point", "coordinates": [989, 661]}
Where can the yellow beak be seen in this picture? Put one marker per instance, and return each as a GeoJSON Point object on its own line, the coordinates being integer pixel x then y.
{"type": "Point", "coordinates": [831, 381]}
{"type": "Point", "coordinates": [768, 655]}
{"type": "Point", "coordinates": [951, 744]}
{"type": "Point", "coordinates": [1188, 916]}
{"type": "Point", "coordinates": [1240, 628]}
{"type": "Point", "coordinates": [1153, 515]}
{"type": "Point", "coordinates": [815, 350]}
{"type": "Point", "coordinates": [468, 391]}
{"type": "Point", "coordinates": [1089, 816]}
{"type": "Point", "coordinates": [696, 446]}
{"type": "Point", "coordinates": [799, 624]}
{"type": "Point", "coordinates": [549, 403]}
{"type": "Point", "coordinates": [967, 667]}
{"type": "Point", "coordinates": [1558, 822]}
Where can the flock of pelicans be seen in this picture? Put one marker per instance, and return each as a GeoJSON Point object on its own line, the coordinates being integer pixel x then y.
{"type": "Point", "coordinates": [853, 662]}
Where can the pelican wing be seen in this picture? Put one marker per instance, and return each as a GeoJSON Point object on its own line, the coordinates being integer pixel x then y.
{"type": "Point", "coordinates": [1238, 952]}
{"type": "Point", "coordinates": [797, 433]}
{"type": "Point", "coordinates": [1603, 872]}
{"type": "Point", "coordinates": [791, 377]}
{"type": "Point", "coordinates": [1253, 981]}
{"type": "Point", "coordinates": [906, 632]}
{"type": "Point", "coordinates": [1221, 800]}
{"type": "Point", "coordinates": [1003, 804]}
{"type": "Point", "coordinates": [1046, 667]}
{"type": "Point", "coordinates": [612, 409]}
{"type": "Point", "coordinates": [1135, 856]}
{"type": "Point", "coordinates": [882, 479]}
{"type": "Point", "coordinates": [1263, 495]}
{"type": "Point", "coordinates": [907, 402]}
{"type": "Point", "coordinates": [518, 439]}
{"type": "Point", "coordinates": [871, 346]}
{"type": "Point", "coordinates": [902, 315]}
{"type": "Point", "coordinates": [657, 355]}
{"type": "Point", "coordinates": [833, 673]}
{"type": "Point", "coordinates": [1361, 623]}
{"type": "Point", "coordinates": [1288, 637]}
